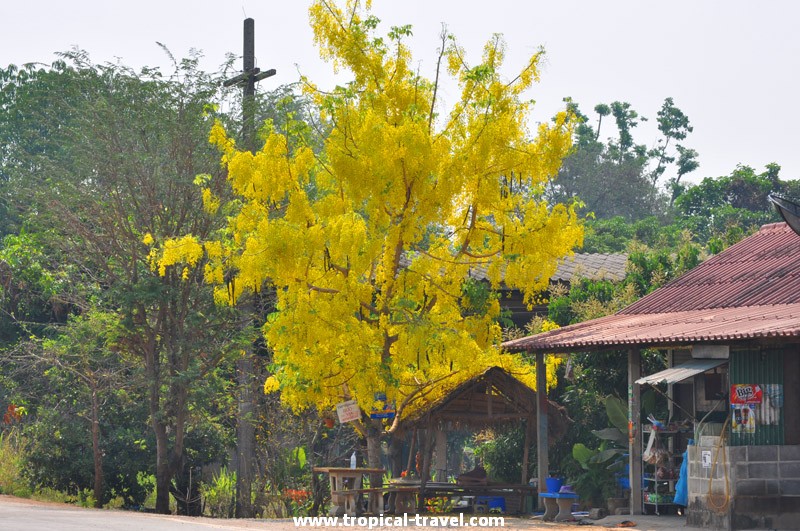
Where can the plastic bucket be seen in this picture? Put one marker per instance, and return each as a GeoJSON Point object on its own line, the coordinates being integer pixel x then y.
{"type": "Point", "coordinates": [554, 484]}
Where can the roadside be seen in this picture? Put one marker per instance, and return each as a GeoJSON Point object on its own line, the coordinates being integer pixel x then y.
{"type": "Point", "coordinates": [21, 514]}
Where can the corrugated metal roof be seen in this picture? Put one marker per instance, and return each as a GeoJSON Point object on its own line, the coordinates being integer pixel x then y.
{"type": "Point", "coordinates": [759, 270]}
{"type": "Point", "coordinates": [749, 291]}
{"type": "Point", "coordinates": [681, 372]}
{"type": "Point", "coordinates": [595, 266]}
{"type": "Point", "coordinates": [668, 329]}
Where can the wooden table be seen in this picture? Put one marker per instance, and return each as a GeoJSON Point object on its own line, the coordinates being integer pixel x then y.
{"type": "Point", "coordinates": [403, 495]}
{"type": "Point", "coordinates": [344, 479]}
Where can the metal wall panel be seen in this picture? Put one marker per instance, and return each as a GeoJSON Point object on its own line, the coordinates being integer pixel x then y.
{"type": "Point", "coordinates": [763, 367]}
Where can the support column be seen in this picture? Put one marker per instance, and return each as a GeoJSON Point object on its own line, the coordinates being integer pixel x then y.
{"type": "Point", "coordinates": [635, 430]}
{"type": "Point", "coordinates": [440, 465]}
{"type": "Point", "coordinates": [542, 456]}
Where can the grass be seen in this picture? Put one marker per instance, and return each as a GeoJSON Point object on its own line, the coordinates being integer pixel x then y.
{"type": "Point", "coordinates": [12, 462]}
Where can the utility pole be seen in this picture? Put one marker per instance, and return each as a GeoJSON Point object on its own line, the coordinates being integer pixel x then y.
{"type": "Point", "coordinates": [245, 431]}
{"type": "Point", "coordinates": [247, 80]}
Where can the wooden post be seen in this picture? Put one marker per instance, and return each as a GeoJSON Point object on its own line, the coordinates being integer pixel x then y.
{"type": "Point", "coordinates": [525, 458]}
{"type": "Point", "coordinates": [411, 455]}
{"type": "Point", "coordinates": [441, 454]}
{"type": "Point", "coordinates": [526, 449]}
{"type": "Point", "coordinates": [543, 462]}
{"type": "Point", "coordinates": [635, 430]}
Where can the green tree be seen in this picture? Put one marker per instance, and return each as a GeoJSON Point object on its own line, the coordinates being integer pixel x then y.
{"type": "Point", "coordinates": [674, 126]}
{"type": "Point", "coordinates": [619, 177]}
{"type": "Point", "coordinates": [725, 209]}
{"type": "Point", "coordinates": [100, 159]}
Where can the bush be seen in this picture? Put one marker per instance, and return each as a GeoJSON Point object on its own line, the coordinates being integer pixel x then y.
{"type": "Point", "coordinates": [220, 495]}
{"type": "Point", "coordinates": [12, 462]}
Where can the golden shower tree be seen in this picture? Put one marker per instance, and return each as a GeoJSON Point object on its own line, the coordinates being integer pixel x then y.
{"type": "Point", "coordinates": [369, 242]}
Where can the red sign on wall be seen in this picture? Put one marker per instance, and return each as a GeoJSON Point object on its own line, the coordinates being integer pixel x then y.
{"type": "Point", "coordinates": [746, 394]}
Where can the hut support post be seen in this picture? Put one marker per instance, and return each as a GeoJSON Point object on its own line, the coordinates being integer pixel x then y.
{"type": "Point", "coordinates": [427, 450]}
{"type": "Point", "coordinates": [526, 457]}
{"type": "Point", "coordinates": [411, 455]}
{"type": "Point", "coordinates": [635, 430]}
{"type": "Point", "coordinates": [526, 449]}
{"type": "Point", "coordinates": [441, 454]}
{"type": "Point", "coordinates": [541, 425]}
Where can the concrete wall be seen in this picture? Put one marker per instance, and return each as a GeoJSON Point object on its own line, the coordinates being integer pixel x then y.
{"type": "Point", "coordinates": [747, 487]}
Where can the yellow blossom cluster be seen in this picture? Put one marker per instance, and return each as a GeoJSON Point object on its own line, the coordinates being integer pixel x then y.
{"type": "Point", "coordinates": [371, 242]}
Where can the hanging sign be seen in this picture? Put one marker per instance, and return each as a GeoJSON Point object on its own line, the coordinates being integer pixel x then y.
{"type": "Point", "coordinates": [705, 456]}
{"type": "Point", "coordinates": [348, 411]}
{"type": "Point", "coordinates": [386, 412]}
{"type": "Point", "coordinates": [746, 394]}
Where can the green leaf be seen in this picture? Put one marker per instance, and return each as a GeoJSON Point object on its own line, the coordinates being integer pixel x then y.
{"type": "Point", "coordinates": [582, 454]}
{"type": "Point", "coordinates": [612, 434]}
{"type": "Point", "coordinates": [605, 455]}
{"type": "Point", "coordinates": [617, 413]}
{"type": "Point", "coordinates": [299, 453]}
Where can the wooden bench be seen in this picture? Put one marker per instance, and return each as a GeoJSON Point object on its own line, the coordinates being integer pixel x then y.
{"type": "Point", "coordinates": [558, 506]}
{"type": "Point", "coordinates": [514, 494]}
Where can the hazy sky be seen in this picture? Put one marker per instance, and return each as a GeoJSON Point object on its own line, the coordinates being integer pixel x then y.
{"type": "Point", "coordinates": [731, 66]}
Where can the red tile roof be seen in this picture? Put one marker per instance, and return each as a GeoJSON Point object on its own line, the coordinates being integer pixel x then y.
{"type": "Point", "coordinates": [749, 291]}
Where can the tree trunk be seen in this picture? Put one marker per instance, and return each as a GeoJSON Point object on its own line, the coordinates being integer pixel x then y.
{"type": "Point", "coordinates": [96, 451]}
{"type": "Point", "coordinates": [374, 451]}
{"type": "Point", "coordinates": [163, 472]}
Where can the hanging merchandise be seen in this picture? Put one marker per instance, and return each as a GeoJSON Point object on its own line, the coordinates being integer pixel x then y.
{"type": "Point", "coordinates": [746, 394]}
{"type": "Point", "coordinates": [744, 418]}
{"type": "Point", "coordinates": [770, 411]}
{"type": "Point", "coordinates": [747, 401]}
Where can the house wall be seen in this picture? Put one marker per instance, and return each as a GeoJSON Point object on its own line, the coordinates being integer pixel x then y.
{"type": "Point", "coordinates": [763, 366]}
{"type": "Point", "coordinates": [746, 487]}
{"type": "Point", "coordinates": [791, 391]}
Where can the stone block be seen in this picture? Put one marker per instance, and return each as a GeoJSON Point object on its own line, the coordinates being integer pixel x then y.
{"type": "Point", "coordinates": [790, 505]}
{"type": "Point", "coordinates": [750, 487]}
{"type": "Point", "coordinates": [773, 487]}
{"type": "Point", "coordinates": [597, 513]}
{"type": "Point", "coordinates": [790, 470]}
{"type": "Point", "coordinates": [756, 505]}
{"type": "Point", "coordinates": [789, 453]}
{"type": "Point", "coordinates": [719, 486]}
{"type": "Point", "coordinates": [790, 487]}
{"type": "Point", "coordinates": [737, 454]}
{"type": "Point", "coordinates": [762, 453]}
{"type": "Point", "coordinates": [696, 486]}
{"type": "Point", "coordinates": [762, 470]}
{"type": "Point", "coordinates": [742, 471]}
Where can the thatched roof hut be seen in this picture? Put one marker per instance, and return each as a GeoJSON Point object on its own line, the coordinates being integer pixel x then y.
{"type": "Point", "coordinates": [491, 398]}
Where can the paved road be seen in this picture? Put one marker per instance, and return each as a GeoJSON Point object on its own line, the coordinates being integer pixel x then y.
{"type": "Point", "coordinates": [18, 514]}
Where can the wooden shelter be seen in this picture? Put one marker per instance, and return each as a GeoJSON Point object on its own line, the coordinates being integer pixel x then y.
{"type": "Point", "coordinates": [491, 398]}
